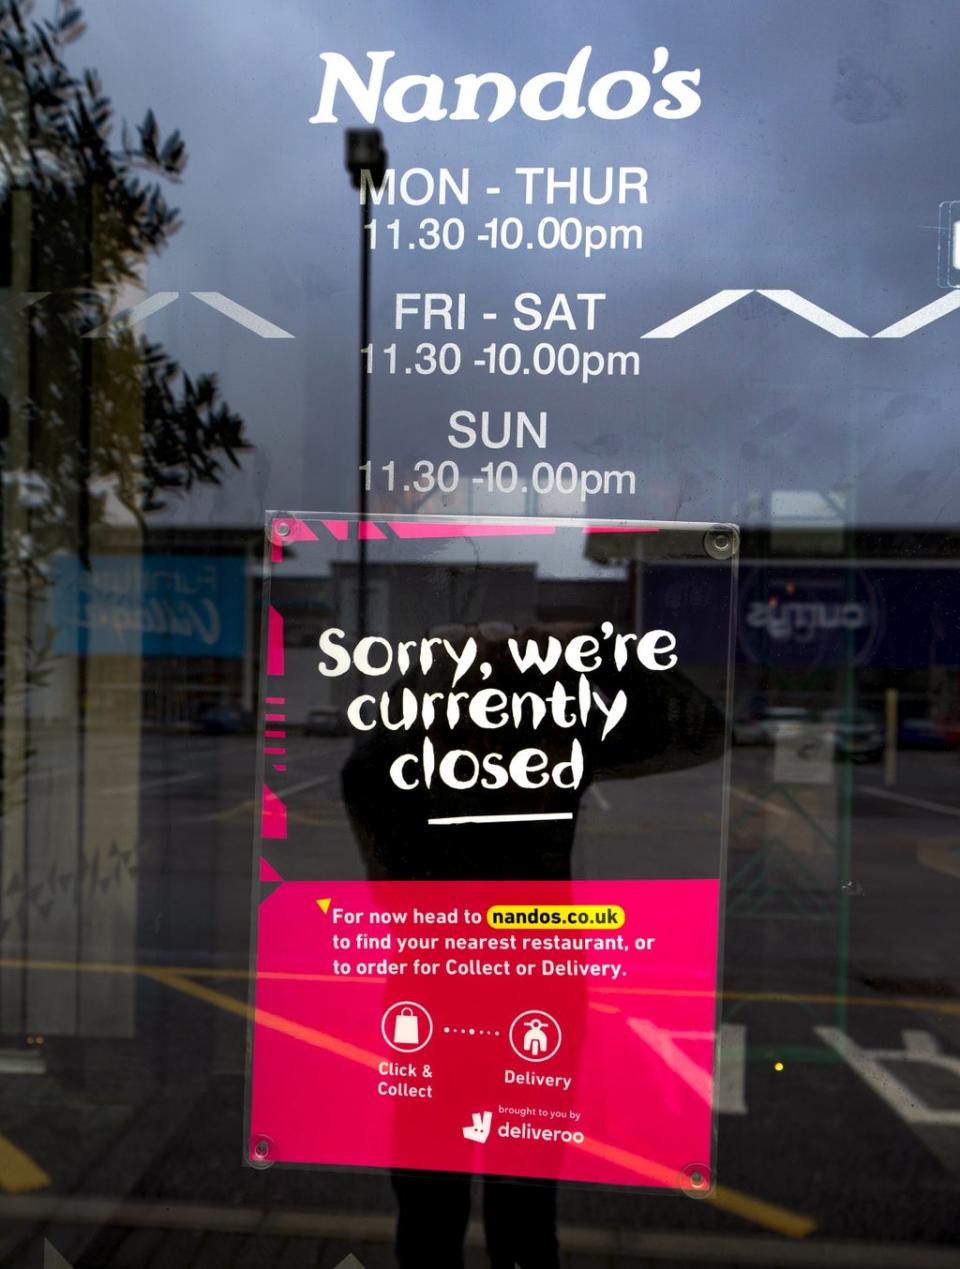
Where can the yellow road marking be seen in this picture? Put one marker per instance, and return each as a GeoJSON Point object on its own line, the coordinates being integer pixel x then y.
{"type": "Point", "coordinates": [760, 1212]}
{"type": "Point", "coordinates": [264, 1018]}
{"type": "Point", "coordinates": [183, 971]}
{"type": "Point", "coordinates": [243, 810]}
{"type": "Point", "coordinates": [73, 967]}
{"type": "Point", "coordinates": [799, 998]}
{"type": "Point", "coordinates": [757, 1211]}
{"type": "Point", "coordinates": [18, 1172]}
{"type": "Point", "coordinates": [940, 855]}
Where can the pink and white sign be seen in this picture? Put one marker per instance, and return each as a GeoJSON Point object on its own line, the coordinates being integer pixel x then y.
{"type": "Point", "coordinates": [554, 1029]}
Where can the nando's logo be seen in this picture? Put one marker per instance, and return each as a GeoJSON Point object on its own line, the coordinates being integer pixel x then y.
{"type": "Point", "coordinates": [490, 95]}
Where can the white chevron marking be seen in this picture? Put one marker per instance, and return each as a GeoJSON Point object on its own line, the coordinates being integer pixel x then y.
{"type": "Point", "coordinates": [692, 316]}
{"type": "Point", "coordinates": [133, 316]}
{"type": "Point", "coordinates": [237, 313]}
{"type": "Point", "coordinates": [814, 313]}
{"type": "Point", "coordinates": [28, 298]}
{"type": "Point", "coordinates": [922, 317]}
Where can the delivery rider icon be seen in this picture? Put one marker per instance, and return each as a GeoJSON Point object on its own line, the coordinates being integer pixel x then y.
{"type": "Point", "coordinates": [534, 1035]}
{"type": "Point", "coordinates": [535, 1041]}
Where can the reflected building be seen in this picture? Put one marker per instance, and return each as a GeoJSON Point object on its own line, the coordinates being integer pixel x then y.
{"type": "Point", "coordinates": [71, 724]}
{"type": "Point", "coordinates": [95, 422]}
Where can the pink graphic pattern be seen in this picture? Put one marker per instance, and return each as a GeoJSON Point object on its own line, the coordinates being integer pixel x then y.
{"type": "Point", "coordinates": [339, 528]}
{"type": "Point", "coordinates": [422, 530]}
{"type": "Point", "coordinates": [275, 660]}
{"type": "Point", "coordinates": [369, 531]}
{"type": "Point", "coordinates": [287, 529]}
{"type": "Point", "coordinates": [273, 815]}
{"type": "Point", "coordinates": [268, 872]}
{"type": "Point", "coordinates": [413, 530]}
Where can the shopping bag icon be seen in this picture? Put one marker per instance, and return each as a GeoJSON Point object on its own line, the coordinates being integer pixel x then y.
{"type": "Point", "coordinates": [406, 1027]}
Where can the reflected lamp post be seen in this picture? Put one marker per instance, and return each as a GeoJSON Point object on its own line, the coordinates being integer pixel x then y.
{"type": "Point", "coordinates": [364, 154]}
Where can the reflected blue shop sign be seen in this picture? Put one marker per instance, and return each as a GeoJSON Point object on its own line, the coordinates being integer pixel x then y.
{"type": "Point", "coordinates": [821, 616]}
{"type": "Point", "coordinates": [154, 605]}
{"type": "Point", "coordinates": [802, 618]}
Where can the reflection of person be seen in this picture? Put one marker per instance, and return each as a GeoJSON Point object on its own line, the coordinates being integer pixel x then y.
{"type": "Point", "coordinates": [670, 725]}
{"type": "Point", "coordinates": [519, 1221]}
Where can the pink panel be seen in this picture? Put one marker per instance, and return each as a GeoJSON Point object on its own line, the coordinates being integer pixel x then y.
{"type": "Point", "coordinates": [631, 1082]}
{"type": "Point", "coordinates": [273, 816]}
{"type": "Point", "coordinates": [275, 643]}
{"type": "Point", "coordinates": [409, 529]}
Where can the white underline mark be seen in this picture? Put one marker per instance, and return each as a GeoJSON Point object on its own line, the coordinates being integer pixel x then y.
{"type": "Point", "coordinates": [501, 819]}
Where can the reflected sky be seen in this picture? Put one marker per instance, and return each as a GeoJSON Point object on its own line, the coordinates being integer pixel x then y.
{"type": "Point", "coordinates": [825, 142]}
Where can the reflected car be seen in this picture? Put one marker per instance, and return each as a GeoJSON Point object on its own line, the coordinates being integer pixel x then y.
{"type": "Point", "coordinates": [225, 720]}
{"type": "Point", "coordinates": [926, 733]}
{"type": "Point", "coordinates": [779, 721]}
{"type": "Point", "coordinates": [747, 729]}
{"type": "Point", "coordinates": [858, 734]}
{"type": "Point", "coordinates": [762, 726]}
{"type": "Point", "coordinates": [325, 720]}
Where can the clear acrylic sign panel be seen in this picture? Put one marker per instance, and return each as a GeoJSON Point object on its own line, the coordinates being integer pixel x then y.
{"type": "Point", "coordinates": [490, 846]}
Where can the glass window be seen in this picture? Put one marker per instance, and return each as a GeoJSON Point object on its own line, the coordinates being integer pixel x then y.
{"type": "Point", "coordinates": [480, 655]}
